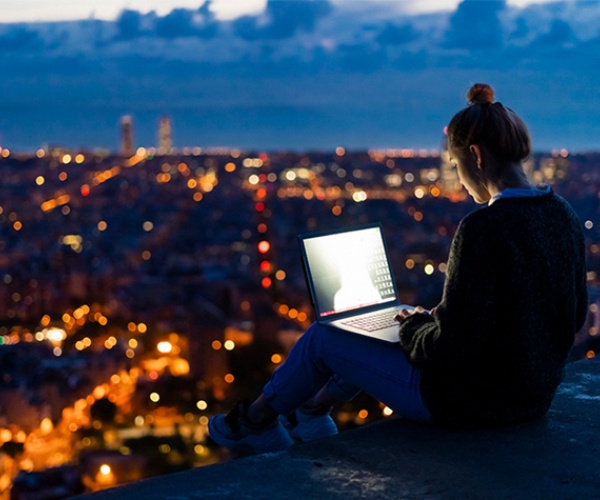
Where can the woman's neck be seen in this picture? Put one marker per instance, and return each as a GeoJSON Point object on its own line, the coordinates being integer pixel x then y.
{"type": "Point", "coordinates": [513, 176]}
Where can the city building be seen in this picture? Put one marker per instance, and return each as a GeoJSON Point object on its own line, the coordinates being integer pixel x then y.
{"type": "Point", "coordinates": [165, 144]}
{"type": "Point", "coordinates": [127, 147]}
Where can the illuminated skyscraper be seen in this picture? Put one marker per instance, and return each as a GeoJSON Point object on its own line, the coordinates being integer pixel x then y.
{"type": "Point", "coordinates": [127, 136]}
{"type": "Point", "coordinates": [164, 136]}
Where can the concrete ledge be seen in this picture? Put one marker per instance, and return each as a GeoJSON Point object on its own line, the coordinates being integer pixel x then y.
{"type": "Point", "coordinates": [558, 457]}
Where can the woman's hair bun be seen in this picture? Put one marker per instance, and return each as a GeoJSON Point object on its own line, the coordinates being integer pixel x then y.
{"type": "Point", "coordinates": [480, 93]}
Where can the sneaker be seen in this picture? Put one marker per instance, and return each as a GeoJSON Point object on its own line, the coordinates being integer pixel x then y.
{"type": "Point", "coordinates": [308, 425]}
{"type": "Point", "coordinates": [235, 432]}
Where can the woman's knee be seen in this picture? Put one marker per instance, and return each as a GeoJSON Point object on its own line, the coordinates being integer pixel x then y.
{"type": "Point", "coordinates": [313, 332]}
{"type": "Point", "coordinates": [312, 338]}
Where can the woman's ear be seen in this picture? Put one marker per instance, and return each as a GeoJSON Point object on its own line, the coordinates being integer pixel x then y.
{"type": "Point", "coordinates": [475, 150]}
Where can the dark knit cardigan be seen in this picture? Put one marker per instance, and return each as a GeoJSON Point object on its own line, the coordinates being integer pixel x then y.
{"type": "Point", "coordinates": [494, 350]}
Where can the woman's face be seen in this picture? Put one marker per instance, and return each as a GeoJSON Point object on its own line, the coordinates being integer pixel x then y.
{"type": "Point", "coordinates": [470, 175]}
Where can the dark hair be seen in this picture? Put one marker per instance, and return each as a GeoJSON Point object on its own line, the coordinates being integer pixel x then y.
{"type": "Point", "coordinates": [490, 124]}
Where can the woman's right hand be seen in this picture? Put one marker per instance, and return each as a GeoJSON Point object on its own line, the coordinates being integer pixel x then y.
{"type": "Point", "coordinates": [405, 312]}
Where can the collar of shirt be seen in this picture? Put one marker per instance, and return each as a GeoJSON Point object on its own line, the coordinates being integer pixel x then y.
{"type": "Point", "coordinates": [520, 193]}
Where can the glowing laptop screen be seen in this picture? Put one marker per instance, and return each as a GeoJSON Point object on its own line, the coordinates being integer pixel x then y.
{"type": "Point", "coordinates": [348, 270]}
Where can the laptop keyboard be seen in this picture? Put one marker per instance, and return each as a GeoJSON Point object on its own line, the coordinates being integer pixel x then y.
{"type": "Point", "coordinates": [372, 322]}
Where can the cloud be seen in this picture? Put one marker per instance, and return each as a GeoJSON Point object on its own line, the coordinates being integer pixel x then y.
{"type": "Point", "coordinates": [394, 34]}
{"type": "Point", "coordinates": [282, 19]}
{"type": "Point", "coordinates": [129, 24]}
{"type": "Point", "coordinates": [183, 22]}
{"type": "Point", "coordinates": [520, 30]}
{"type": "Point", "coordinates": [475, 25]}
{"type": "Point", "coordinates": [20, 38]}
{"type": "Point", "coordinates": [179, 22]}
{"type": "Point", "coordinates": [560, 34]}
{"type": "Point", "coordinates": [360, 57]}
{"type": "Point", "coordinates": [312, 35]}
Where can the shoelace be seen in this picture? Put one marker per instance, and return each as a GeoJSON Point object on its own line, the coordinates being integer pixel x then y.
{"type": "Point", "coordinates": [292, 419]}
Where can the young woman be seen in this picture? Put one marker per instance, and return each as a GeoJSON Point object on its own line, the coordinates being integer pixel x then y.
{"type": "Point", "coordinates": [492, 352]}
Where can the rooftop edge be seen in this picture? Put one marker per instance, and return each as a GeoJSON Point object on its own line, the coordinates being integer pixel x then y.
{"type": "Point", "coordinates": [556, 457]}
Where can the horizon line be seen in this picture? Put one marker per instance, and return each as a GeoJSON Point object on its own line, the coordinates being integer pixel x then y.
{"type": "Point", "coordinates": [390, 152]}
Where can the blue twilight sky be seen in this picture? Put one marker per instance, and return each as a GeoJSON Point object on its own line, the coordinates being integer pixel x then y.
{"type": "Point", "coordinates": [304, 74]}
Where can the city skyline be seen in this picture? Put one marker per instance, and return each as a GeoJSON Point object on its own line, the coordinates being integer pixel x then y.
{"type": "Point", "coordinates": [143, 294]}
{"type": "Point", "coordinates": [309, 75]}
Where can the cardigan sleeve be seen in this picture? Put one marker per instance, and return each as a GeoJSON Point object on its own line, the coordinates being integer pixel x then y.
{"type": "Point", "coordinates": [455, 332]}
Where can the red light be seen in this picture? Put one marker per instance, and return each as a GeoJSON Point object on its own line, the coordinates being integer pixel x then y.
{"type": "Point", "coordinates": [260, 206]}
{"type": "Point", "coordinates": [265, 266]}
{"type": "Point", "coordinates": [262, 177]}
{"type": "Point", "coordinates": [85, 190]}
{"type": "Point", "coordinates": [266, 282]}
{"type": "Point", "coordinates": [262, 227]}
{"type": "Point", "coordinates": [264, 246]}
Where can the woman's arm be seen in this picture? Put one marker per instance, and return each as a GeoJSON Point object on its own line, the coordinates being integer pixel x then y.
{"type": "Point", "coordinates": [455, 330]}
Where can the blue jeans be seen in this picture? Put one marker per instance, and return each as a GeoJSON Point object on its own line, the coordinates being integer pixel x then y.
{"type": "Point", "coordinates": [346, 363]}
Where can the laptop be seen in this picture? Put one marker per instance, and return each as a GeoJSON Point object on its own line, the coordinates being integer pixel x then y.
{"type": "Point", "coordinates": [350, 280]}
